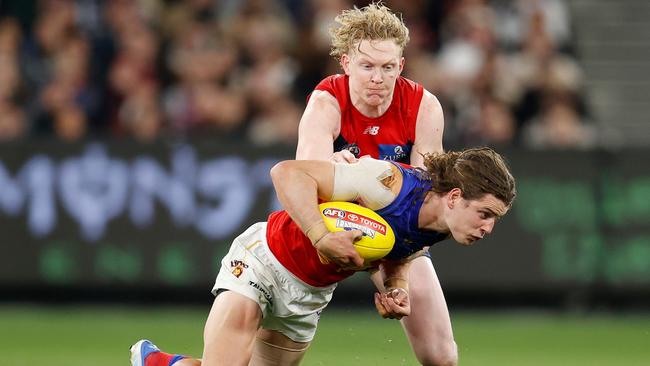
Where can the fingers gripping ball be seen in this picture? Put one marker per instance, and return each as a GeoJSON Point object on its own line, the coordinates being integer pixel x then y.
{"type": "Point", "coordinates": [378, 237]}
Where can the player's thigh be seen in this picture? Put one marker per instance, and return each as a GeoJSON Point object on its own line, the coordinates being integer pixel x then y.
{"type": "Point", "coordinates": [232, 325]}
{"type": "Point", "coordinates": [429, 321]}
{"type": "Point", "coordinates": [273, 348]}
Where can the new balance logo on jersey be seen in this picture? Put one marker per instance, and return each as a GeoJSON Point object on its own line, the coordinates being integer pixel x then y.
{"type": "Point", "coordinates": [371, 130]}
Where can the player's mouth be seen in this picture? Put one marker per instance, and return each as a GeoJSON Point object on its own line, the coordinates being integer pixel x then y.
{"type": "Point", "coordinates": [474, 238]}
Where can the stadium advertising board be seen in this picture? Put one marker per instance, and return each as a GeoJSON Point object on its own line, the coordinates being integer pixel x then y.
{"type": "Point", "coordinates": [119, 214]}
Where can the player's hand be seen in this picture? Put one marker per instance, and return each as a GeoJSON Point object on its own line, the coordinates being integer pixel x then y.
{"type": "Point", "coordinates": [336, 247]}
{"type": "Point", "coordinates": [343, 156]}
{"type": "Point", "coordinates": [393, 304]}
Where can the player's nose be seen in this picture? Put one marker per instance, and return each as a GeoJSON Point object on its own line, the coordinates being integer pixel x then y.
{"type": "Point", "coordinates": [377, 77]}
{"type": "Point", "coordinates": [487, 227]}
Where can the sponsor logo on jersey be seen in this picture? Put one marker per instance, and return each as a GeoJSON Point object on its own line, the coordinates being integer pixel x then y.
{"type": "Point", "coordinates": [238, 267]}
{"type": "Point", "coordinates": [262, 290]}
{"type": "Point", "coordinates": [394, 152]}
{"type": "Point", "coordinates": [371, 130]}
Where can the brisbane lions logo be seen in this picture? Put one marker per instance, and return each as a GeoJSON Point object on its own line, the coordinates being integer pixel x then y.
{"type": "Point", "coordinates": [237, 267]}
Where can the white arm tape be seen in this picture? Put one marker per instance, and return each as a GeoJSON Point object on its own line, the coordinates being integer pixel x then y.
{"type": "Point", "coordinates": [362, 181]}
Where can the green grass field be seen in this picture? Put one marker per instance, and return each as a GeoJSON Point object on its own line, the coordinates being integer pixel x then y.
{"type": "Point", "coordinates": [101, 336]}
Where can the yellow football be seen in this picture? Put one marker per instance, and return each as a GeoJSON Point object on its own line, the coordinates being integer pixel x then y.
{"type": "Point", "coordinates": [378, 237]}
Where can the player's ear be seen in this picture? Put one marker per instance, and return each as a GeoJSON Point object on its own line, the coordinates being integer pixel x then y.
{"type": "Point", "coordinates": [345, 63]}
{"type": "Point", "coordinates": [402, 61]}
{"type": "Point", "coordinates": [453, 196]}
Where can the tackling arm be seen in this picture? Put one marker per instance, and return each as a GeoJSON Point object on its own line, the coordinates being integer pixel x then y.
{"type": "Point", "coordinates": [429, 128]}
{"type": "Point", "coordinates": [319, 125]}
{"type": "Point", "coordinates": [299, 184]}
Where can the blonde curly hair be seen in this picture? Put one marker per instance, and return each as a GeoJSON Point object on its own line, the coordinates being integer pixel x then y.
{"type": "Point", "coordinates": [373, 22]}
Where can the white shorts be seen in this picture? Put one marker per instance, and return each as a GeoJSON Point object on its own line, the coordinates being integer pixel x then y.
{"type": "Point", "coordinates": [288, 305]}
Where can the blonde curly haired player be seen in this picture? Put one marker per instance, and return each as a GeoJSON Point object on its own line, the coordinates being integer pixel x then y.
{"type": "Point", "coordinates": [273, 283]}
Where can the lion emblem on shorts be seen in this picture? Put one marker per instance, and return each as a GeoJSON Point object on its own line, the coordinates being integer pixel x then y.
{"type": "Point", "coordinates": [238, 267]}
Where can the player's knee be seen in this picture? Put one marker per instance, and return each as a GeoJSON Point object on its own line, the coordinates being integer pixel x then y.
{"type": "Point", "coordinates": [445, 354]}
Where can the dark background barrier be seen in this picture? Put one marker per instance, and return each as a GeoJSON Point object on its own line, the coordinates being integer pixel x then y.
{"type": "Point", "coordinates": [129, 222]}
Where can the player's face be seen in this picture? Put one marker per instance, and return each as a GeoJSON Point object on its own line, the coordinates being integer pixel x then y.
{"type": "Point", "coordinates": [373, 68]}
{"type": "Point", "coordinates": [471, 220]}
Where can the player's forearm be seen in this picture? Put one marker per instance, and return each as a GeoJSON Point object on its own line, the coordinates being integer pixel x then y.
{"type": "Point", "coordinates": [310, 150]}
{"type": "Point", "coordinates": [395, 274]}
{"type": "Point", "coordinates": [298, 192]}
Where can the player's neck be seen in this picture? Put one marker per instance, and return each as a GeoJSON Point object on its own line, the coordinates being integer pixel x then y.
{"type": "Point", "coordinates": [430, 216]}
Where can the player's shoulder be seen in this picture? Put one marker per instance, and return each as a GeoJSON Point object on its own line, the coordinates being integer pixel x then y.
{"type": "Point", "coordinates": [386, 172]}
{"type": "Point", "coordinates": [429, 96]}
{"type": "Point", "coordinates": [403, 165]}
{"type": "Point", "coordinates": [408, 170]}
{"type": "Point", "coordinates": [332, 82]}
{"type": "Point", "coordinates": [429, 110]}
{"type": "Point", "coordinates": [394, 166]}
{"type": "Point", "coordinates": [323, 99]}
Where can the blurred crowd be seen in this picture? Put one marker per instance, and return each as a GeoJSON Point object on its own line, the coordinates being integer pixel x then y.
{"type": "Point", "coordinates": [505, 71]}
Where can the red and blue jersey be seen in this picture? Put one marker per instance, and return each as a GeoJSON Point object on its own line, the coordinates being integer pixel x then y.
{"type": "Point", "coordinates": [388, 137]}
{"type": "Point", "coordinates": [294, 250]}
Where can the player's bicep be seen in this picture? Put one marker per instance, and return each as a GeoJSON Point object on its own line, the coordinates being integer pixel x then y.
{"type": "Point", "coordinates": [319, 125]}
{"type": "Point", "coordinates": [299, 177]}
{"type": "Point", "coordinates": [373, 183]}
{"type": "Point", "coordinates": [429, 129]}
